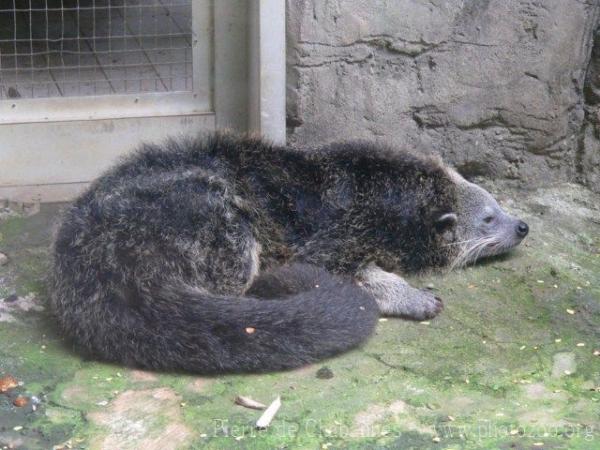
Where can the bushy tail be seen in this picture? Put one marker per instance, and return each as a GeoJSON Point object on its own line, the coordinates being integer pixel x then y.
{"type": "Point", "coordinates": [304, 314]}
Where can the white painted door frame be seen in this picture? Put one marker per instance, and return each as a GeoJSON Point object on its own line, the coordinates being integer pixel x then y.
{"type": "Point", "coordinates": [267, 69]}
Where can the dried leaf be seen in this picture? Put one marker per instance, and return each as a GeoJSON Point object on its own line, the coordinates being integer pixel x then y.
{"type": "Point", "coordinates": [20, 401]}
{"type": "Point", "coordinates": [7, 383]}
{"type": "Point", "coordinates": [247, 402]}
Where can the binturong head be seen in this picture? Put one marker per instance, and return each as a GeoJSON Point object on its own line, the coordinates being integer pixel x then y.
{"type": "Point", "coordinates": [482, 228]}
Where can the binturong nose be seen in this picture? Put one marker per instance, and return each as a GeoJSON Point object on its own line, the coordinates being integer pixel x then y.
{"type": "Point", "coordinates": [522, 229]}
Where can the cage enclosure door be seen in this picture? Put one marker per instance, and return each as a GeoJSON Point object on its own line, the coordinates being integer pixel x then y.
{"type": "Point", "coordinates": [83, 82]}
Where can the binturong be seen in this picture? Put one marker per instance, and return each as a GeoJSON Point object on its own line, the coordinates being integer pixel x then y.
{"type": "Point", "coordinates": [229, 254]}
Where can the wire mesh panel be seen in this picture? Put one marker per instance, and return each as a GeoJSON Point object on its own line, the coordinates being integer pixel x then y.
{"type": "Point", "coordinates": [66, 48]}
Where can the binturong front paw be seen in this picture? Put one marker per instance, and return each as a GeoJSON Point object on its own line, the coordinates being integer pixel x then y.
{"type": "Point", "coordinates": [396, 297]}
{"type": "Point", "coordinates": [407, 302]}
{"type": "Point", "coordinates": [422, 305]}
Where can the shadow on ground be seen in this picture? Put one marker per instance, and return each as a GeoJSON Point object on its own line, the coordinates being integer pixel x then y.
{"type": "Point", "coordinates": [509, 364]}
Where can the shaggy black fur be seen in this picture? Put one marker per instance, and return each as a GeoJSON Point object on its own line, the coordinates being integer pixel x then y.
{"type": "Point", "coordinates": [157, 264]}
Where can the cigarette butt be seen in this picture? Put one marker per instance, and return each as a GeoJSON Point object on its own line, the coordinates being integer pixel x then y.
{"type": "Point", "coordinates": [265, 420]}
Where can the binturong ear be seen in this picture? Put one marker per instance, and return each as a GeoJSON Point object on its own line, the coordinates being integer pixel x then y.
{"type": "Point", "coordinates": [446, 222]}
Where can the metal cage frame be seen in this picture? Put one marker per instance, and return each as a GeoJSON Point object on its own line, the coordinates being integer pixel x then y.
{"type": "Point", "coordinates": [139, 104]}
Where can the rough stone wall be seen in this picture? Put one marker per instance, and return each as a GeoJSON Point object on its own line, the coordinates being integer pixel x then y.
{"type": "Point", "coordinates": [589, 144]}
{"type": "Point", "coordinates": [495, 86]}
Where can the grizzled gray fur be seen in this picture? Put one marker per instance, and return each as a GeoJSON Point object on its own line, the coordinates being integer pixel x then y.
{"type": "Point", "coordinates": [228, 254]}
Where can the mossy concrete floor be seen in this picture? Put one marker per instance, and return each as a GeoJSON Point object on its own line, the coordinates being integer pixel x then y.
{"type": "Point", "coordinates": [512, 362]}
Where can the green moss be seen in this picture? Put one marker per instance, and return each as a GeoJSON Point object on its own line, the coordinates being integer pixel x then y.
{"type": "Point", "coordinates": [10, 229]}
{"type": "Point", "coordinates": [480, 371]}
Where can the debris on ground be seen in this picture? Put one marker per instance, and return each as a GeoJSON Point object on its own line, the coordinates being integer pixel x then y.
{"type": "Point", "coordinates": [247, 402]}
{"type": "Point", "coordinates": [324, 373]}
{"type": "Point", "coordinates": [267, 417]}
{"type": "Point", "coordinates": [7, 383]}
{"type": "Point", "coordinates": [20, 401]}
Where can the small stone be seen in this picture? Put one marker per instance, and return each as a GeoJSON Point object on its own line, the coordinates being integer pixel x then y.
{"type": "Point", "coordinates": [563, 364]}
{"type": "Point", "coordinates": [3, 259]}
{"type": "Point", "coordinates": [324, 373]}
{"type": "Point", "coordinates": [596, 353]}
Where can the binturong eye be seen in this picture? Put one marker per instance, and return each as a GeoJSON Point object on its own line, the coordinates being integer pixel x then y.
{"type": "Point", "coordinates": [488, 219]}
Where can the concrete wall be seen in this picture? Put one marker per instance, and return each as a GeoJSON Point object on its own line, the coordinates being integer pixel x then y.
{"type": "Point", "coordinates": [495, 86]}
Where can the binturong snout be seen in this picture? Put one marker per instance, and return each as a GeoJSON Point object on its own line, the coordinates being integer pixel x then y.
{"type": "Point", "coordinates": [522, 229]}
